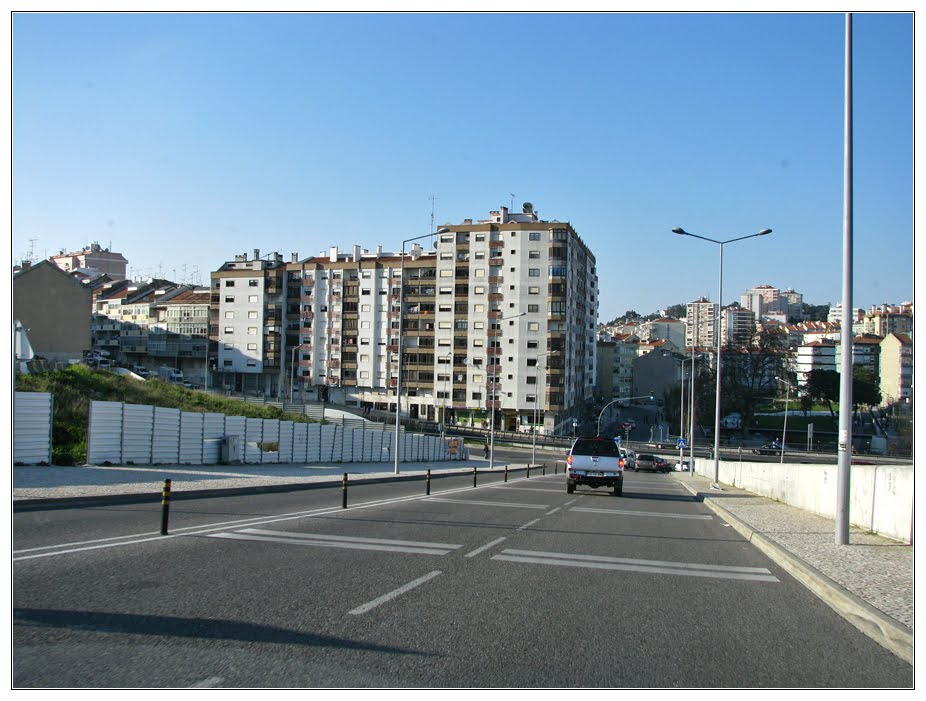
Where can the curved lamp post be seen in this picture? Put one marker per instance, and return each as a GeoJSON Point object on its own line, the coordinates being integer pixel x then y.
{"type": "Point", "coordinates": [682, 232]}
{"type": "Point", "coordinates": [398, 384]}
{"type": "Point", "coordinates": [649, 396]}
{"type": "Point", "coordinates": [784, 431]}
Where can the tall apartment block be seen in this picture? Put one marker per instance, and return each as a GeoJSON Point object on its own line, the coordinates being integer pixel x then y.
{"type": "Point", "coordinates": [497, 312]}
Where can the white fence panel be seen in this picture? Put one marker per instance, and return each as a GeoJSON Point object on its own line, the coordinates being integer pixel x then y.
{"type": "Point", "coordinates": [326, 443]}
{"type": "Point", "coordinates": [32, 417]}
{"type": "Point", "coordinates": [137, 434]}
{"type": "Point", "coordinates": [191, 438]}
{"type": "Point", "coordinates": [104, 437]}
{"type": "Point", "coordinates": [165, 448]}
{"type": "Point", "coordinates": [271, 431]}
{"type": "Point", "coordinates": [213, 436]}
{"type": "Point", "coordinates": [286, 441]}
{"type": "Point", "coordinates": [253, 435]}
{"type": "Point", "coordinates": [300, 442]}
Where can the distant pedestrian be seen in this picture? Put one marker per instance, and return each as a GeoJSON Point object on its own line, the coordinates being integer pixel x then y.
{"type": "Point", "coordinates": [485, 451]}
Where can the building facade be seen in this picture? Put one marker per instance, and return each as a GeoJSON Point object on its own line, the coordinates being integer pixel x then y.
{"type": "Point", "coordinates": [896, 369]}
{"type": "Point", "coordinates": [93, 259]}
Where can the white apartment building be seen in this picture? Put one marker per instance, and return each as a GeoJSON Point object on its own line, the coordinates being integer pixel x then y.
{"type": "Point", "coordinates": [501, 312]}
{"type": "Point", "coordinates": [813, 356]}
{"type": "Point", "coordinates": [737, 325]}
{"type": "Point", "coordinates": [896, 369]}
{"type": "Point", "coordinates": [701, 325]}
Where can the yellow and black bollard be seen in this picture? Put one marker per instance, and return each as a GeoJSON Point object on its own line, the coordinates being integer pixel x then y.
{"type": "Point", "coordinates": [165, 506]}
{"type": "Point", "coordinates": [474, 475]}
{"type": "Point", "coordinates": [506, 473]}
{"type": "Point", "coordinates": [344, 492]}
{"type": "Point", "coordinates": [427, 483]}
{"type": "Point", "coordinates": [528, 470]}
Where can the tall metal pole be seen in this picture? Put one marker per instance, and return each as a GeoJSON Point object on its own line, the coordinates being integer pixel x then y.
{"type": "Point", "coordinates": [716, 483]}
{"type": "Point", "coordinates": [845, 379]}
{"type": "Point", "coordinates": [691, 416]}
{"type": "Point", "coordinates": [398, 382]}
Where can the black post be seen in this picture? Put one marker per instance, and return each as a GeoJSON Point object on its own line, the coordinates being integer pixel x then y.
{"type": "Point", "coordinates": [506, 473]}
{"type": "Point", "coordinates": [427, 488]}
{"type": "Point", "coordinates": [344, 492]}
{"type": "Point", "coordinates": [165, 506]}
{"type": "Point", "coordinates": [528, 470]}
{"type": "Point", "coordinates": [474, 475]}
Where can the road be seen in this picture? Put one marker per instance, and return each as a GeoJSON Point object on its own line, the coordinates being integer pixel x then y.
{"type": "Point", "coordinates": [506, 584]}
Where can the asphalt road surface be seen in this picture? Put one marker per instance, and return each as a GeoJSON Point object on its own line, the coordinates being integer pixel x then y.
{"type": "Point", "coordinates": [506, 585]}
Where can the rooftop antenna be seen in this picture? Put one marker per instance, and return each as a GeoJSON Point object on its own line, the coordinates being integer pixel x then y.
{"type": "Point", "coordinates": [433, 199]}
{"type": "Point", "coordinates": [32, 250]}
{"type": "Point", "coordinates": [512, 201]}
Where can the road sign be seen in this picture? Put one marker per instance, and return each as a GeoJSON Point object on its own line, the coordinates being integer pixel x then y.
{"type": "Point", "coordinates": [617, 439]}
{"type": "Point", "coordinates": [682, 443]}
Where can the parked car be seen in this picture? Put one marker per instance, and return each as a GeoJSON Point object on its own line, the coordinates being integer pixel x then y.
{"type": "Point", "coordinates": [595, 462]}
{"type": "Point", "coordinates": [141, 371]}
{"type": "Point", "coordinates": [662, 464]}
{"type": "Point", "coordinates": [645, 461]}
{"type": "Point", "coordinates": [682, 466]}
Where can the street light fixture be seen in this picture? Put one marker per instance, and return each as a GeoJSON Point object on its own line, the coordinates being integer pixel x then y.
{"type": "Point", "coordinates": [543, 394]}
{"type": "Point", "coordinates": [494, 394]}
{"type": "Point", "coordinates": [682, 232]}
{"type": "Point", "coordinates": [649, 396]}
{"type": "Point", "coordinates": [398, 384]}
{"type": "Point", "coordinates": [784, 431]}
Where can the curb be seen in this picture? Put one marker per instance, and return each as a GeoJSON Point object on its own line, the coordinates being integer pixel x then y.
{"type": "Point", "coordinates": [877, 625]}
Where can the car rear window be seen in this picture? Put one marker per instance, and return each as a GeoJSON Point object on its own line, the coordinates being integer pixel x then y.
{"type": "Point", "coordinates": [646, 457]}
{"type": "Point", "coordinates": [593, 446]}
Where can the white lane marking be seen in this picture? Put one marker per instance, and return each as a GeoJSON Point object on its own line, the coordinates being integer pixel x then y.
{"type": "Point", "coordinates": [660, 514]}
{"type": "Point", "coordinates": [209, 683]}
{"type": "Point", "coordinates": [485, 547]}
{"type": "Point", "coordinates": [759, 574]}
{"type": "Point", "coordinates": [393, 594]}
{"type": "Point", "coordinates": [134, 539]}
{"type": "Point", "coordinates": [570, 503]}
{"type": "Point", "coordinates": [552, 511]}
{"type": "Point", "coordinates": [528, 524]}
{"type": "Point", "coordinates": [324, 541]}
{"type": "Point", "coordinates": [473, 502]}
{"type": "Point", "coordinates": [550, 490]}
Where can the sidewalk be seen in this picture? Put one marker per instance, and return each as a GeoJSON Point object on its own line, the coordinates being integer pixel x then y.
{"type": "Point", "coordinates": [869, 582]}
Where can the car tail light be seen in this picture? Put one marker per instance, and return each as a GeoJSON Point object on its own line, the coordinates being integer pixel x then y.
{"type": "Point", "coordinates": [569, 460]}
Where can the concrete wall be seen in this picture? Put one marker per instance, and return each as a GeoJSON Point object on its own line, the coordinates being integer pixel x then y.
{"type": "Point", "coordinates": [881, 496]}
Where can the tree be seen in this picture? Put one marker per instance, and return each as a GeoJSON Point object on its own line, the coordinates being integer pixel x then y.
{"type": "Point", "coordinates": [823, 385]}
{"type": "Point", "coordinates": [866, 390]}
{"type": "Point", "coordinates": [749, 368]}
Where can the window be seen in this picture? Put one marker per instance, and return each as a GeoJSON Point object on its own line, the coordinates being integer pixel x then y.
{"type": "Point", "coordinates": [480, 237]}
{"type": "Point", "coordinates": [252, 346]}
{"type": "Point", "coordinates": [532, 344]}
{"type": "Point", "coordinates": [533, 254]}
{"type": "Point", "coordinates": [533, 308]}
{"type": "Point", "coordinates": [479, 308]}
{"type": "Point", "coordinates": [252, 315]}
{"type": "Point", "coordinates": [444, 325]}
{"type": "Point", "coordinates": [533, 272]}
{"type": "Point", "coordinates": [479, 290]}
{"type": "Point", "coordinates": [229, 283]}
{"type": "Point", "coordinates": [252, 283]}
{"type": "Point", "coordinates": [252, 299]}
{"type": "Point", "coordinates": [446, 273]}
{"type": "Point", "coordinates": [229, 315]}
{"type": "Point", "coordinates": [252, 330]}
{"type": "Point", "coordinates": [533, 326]}
{"type": "Point", "coordinates": [229, 346]}
{"type": "Point", "coordinates": [229, 299]}
{"type": "Point", "coordinates": [229, 329]}
{"type": "Point", "coordinates": [533, 236]}
{"type": "Point", "coordinates": [533, 290]}
{"type": "Point", "coordinates": [227, 363]}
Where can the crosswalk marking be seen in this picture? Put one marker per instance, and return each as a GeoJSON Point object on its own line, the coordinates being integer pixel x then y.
{"type": "Point", "coordinates": [332, 541]}
{"type": "Point", "coordinates": [686, 569]}
{"type": "Point", "coordinates": [660, 514]}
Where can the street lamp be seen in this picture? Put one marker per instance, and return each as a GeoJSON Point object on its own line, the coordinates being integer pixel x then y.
{"type": "Point", "coordinates": [494, 393]}
{"type": "Point", "coordinates": [649, 396]}
{"type": "Point", "coordinates": [443, 413]}
{"type": "Point", "coordinates": [398, 384]}
{"type": "Point", "coordinates": [784, 431]}
{"type": "Point", "coordinates": [682, 232]}
{"type": "Point", "coordinates": [543, 394]}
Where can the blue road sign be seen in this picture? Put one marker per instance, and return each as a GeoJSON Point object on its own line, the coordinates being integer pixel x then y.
{"type": "Point", "coordinates": [682, 443]}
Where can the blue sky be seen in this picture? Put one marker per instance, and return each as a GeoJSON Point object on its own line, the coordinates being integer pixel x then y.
{"type": "Point", "coordinates": [182, 140]}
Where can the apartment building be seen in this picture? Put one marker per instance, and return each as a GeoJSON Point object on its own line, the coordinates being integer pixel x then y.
{"type": "Point", "coordinates": [246, 336]}
{"type": "Point", "coordinates": [701, 324]}
{"type": "Point", "coordinates": [664, 328]}
{"type": "Point", "coordinates": [737, 325]}
{"type": "Point", "coordinates": [93, 260]}
{"type": "Point", "coordinates": [816, 355]}
{"type": "Point", "coordinates": [896, 368]}
{"type": "Point", "coordinates": [499, 312]}
{"type": "Point", "coordinates": [178, 333]}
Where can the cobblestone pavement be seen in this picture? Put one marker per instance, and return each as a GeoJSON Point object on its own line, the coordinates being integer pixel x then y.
{"type": "Point", "coordinates": [869, 581]}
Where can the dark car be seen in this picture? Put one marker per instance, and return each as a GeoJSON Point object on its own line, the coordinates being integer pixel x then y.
{"type": "Point", "coordinates": [662, 464]}
{"type": "Point", "coordinates": [767, 449]}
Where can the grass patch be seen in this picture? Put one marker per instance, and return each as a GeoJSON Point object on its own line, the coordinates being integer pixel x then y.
{"type": "Point", "coordinates": [73, 389]}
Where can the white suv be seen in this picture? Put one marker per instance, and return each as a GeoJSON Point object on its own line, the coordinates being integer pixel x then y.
{"type": "Point", "coordinates": [595, 462]}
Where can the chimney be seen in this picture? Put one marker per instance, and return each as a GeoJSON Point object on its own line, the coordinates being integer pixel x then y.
{"type": "Point", "coordinates": [333, 254]}
{"type": "Point", "coordinates": [256, 254]}
{"type": "Point", "coordinates": [379, 251]}
{"type": "Point", "coordinates": [295, 258]}
{"type": "Point", "coordinates": [356, 253]}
